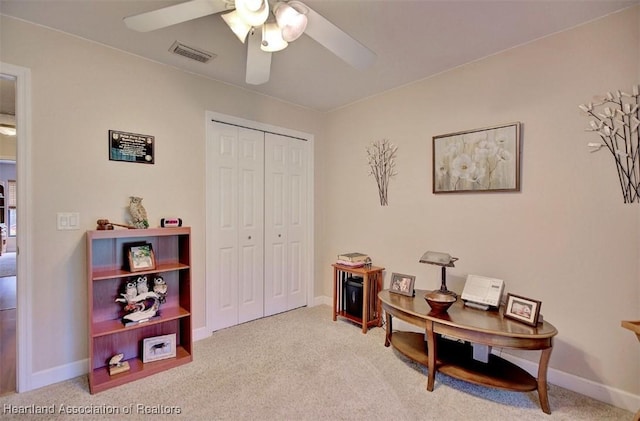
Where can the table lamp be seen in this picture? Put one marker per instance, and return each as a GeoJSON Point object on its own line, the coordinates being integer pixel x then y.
{"type": "Point", "coordinates": [444, 260]}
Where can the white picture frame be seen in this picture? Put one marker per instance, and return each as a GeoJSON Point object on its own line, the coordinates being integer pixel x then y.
{"type": "Point", "coordinates": [158, 348]}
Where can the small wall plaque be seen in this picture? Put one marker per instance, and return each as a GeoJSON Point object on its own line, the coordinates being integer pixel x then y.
{"type": "Point", "coordinates": [131, 147]}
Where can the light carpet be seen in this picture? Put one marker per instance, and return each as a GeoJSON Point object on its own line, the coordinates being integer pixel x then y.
{"type": "Point", "coordinates": [301, 365]}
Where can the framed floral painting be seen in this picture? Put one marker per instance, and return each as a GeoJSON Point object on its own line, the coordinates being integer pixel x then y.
{"type": "Point", "coordinates": [482, 160]}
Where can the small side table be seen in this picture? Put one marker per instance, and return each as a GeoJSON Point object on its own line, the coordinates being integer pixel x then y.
{"type": "Point", "coordinates": [371, 285]}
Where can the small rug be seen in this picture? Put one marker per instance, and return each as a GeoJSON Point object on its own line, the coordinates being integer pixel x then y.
{"type": "Point", "coordinates": [8, 264]}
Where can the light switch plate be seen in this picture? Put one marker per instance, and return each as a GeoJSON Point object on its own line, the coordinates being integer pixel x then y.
{"type": "Point", "coordinates": [68, 221]}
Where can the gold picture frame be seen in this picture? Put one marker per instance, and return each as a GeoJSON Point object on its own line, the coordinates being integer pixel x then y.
{"type": "Point", "coordinates": [481, 160]}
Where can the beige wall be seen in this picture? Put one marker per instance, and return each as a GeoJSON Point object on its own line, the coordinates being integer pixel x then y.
{"type": "Point", "coordinates": [566, 239]}
{"type": "Point", "coordinates": [80, 90]}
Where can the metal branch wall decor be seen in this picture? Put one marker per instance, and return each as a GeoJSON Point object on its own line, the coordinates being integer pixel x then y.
{"type": "Point", "coordinates": [381, 156]}
{"type": "Point", "coordinates": [616, 119]}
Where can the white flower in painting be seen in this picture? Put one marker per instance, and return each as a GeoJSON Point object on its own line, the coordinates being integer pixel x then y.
{"type": "Point", "coordinates": [485, 149]}
{"type": "Point", "coordinates": [503, 155]}
{"type": "Point", "coordinates": [463, 167]}
{"type": "Point", "coordinates": [452, 149]}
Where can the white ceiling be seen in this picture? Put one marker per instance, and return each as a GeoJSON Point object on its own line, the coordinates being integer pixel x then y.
{"type": "Point", "coordinates": [412, 39]}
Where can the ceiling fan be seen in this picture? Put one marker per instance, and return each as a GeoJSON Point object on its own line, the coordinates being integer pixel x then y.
{"type": "Point", "coordinates": [268, 28]}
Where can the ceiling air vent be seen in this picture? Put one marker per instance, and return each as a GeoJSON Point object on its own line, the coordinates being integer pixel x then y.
{"type": "Point", "coordinates": [190, 52]}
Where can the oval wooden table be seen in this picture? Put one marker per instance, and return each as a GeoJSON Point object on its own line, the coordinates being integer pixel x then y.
{"type": "Point", "coordinates": [469, 325]}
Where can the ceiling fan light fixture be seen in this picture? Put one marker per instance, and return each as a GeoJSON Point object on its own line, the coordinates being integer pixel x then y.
{"type": "Point", "coordinates": [292, 22]}
{"type": "Point", "coordinates": [253, 12]}
{"type": "Point", "coordinates": [272, 38]}
{"type": "Point", "coordinates": [237, 25]}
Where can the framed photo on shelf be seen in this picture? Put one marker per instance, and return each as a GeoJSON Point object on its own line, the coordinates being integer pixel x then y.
{"type": "Point", "coordinates": [140, 257]}
{"type": "Point", "coordinates": [522, 309]}
{"type": "Point", "coordinates": [402, 284]}
{"type": "Point", "coordinates": [158, 348]}
{"type": "Point", "coordinates": [480, 160]}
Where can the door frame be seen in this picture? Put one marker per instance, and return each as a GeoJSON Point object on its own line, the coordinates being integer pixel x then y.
{"type": "Point", "coordinates": [238, 121]}
{"type": "Point", "coordinates": [24, 369]}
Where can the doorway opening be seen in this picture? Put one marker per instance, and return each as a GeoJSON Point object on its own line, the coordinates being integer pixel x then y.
{"type": "Point", "coordinates": [8, 235]}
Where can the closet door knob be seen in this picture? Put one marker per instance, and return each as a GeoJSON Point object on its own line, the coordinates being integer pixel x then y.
{"type": "Point", "coordinates": [279, 235]}
{"type": "Point", "coordinates": [249, 237]}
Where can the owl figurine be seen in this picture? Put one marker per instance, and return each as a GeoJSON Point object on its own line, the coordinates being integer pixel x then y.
{"type": "Point", "coordinates": [160, 288]}
{"type": "Point", "coordinates": [138, 213]}
{"type": "Point", "coordinates": [141, 285]}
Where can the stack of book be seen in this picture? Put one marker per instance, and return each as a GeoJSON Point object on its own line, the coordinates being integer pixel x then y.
{"type": "Point", "coordinates": [353, 260]}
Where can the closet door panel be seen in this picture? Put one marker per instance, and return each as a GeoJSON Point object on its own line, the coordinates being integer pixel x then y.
{"type": "Point", "coordinates": [251, 226]}
{"type": "Point", "coordinates": [285, 198]}
{"type": "Point", "coordinates": [223, 253]}
{"type": "Point", "coordinates": [276, 207]}
{"type": "Point", "coordinates": [296, 224]}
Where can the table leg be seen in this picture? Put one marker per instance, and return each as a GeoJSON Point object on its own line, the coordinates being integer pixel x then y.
{"type": "Point", "coordinates": [387, 337]}
{"type": "Point", "coordinates": [365, 302]}
{"type": "Point", "coordinates": [335, 293]}
{"type": "Point", "coordinates": [431, 356]}
{"type": "Point", "coordinates": [378, 302]}
{"type": "Point", "coordinates": [542, 380]}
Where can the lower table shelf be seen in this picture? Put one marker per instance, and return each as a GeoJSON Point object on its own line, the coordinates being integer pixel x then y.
{"type": "Point", "coordinates": [456, 360]}
{"type": "Point", "coordinates": [101, 379]}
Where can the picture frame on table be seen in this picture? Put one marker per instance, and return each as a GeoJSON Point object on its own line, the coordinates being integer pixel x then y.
{"type": "Point", "coordinates": [402, 284]}
{"type": "Point", "coordinates": [522, 309]}
{"type": "Point", "coordinates": [158, 348]}
{"type": "Point", "coordinates": [139, 257]}
{"type": "Point", "coordinates": [480, 160]}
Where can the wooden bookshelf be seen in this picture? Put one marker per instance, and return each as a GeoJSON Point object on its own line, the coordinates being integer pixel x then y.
{"type": "Point", "coordinates": [108, 335]}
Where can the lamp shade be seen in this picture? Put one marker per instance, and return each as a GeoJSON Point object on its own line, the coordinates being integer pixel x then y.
{"type": "Point", "coordinates": [272, 38]}
{"type": "Point", "coordinates": [237, 25]}
{"type": "Point", "coordinates": [292, 22]}
{"type": "Point", "coordinates": [253, 12]}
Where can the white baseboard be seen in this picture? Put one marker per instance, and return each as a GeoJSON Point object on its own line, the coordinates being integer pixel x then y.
{"type": "Point", "coordinates": [201, 333]}
{"type": "Point", "coordinates": [58, 374]}
{"type": "Point", "coordinates": [607, 394]}
{"type": "Point", "coordinates": [318, 301]}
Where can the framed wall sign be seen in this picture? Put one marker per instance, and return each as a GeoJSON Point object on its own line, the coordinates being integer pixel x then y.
{"type": "Point", "coordinates": [131, 147]}
{"type": "Point", "coordinates": [481, 160]}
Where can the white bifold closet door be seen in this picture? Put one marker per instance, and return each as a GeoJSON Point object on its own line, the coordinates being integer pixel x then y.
{"type": "Point", "coordinates": [237, 258]}
{"type": "Point", "coordinates": [285, 223]}
{"type": "Point", "coordinates": [257, 221]}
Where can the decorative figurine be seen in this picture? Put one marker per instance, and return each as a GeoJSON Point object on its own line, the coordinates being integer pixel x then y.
{"type": "Point", "coordinates": [116, 365]}
{"type": "Point", "coordinates": [138, 213]}
{"type": "Point", "coordinates": [141, 285]}
{"type": "Point", "coordinates": [160, 288]}
{"type": "Point", "coordinates": [138, 306]}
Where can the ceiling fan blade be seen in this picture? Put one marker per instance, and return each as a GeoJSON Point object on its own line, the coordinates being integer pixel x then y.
{"type": "Point", "coordinates": [178, 13]}
{"type": "Point", "coordinates": [258, 61]}
{"type": "Point", "coordinates": [337, 41]}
